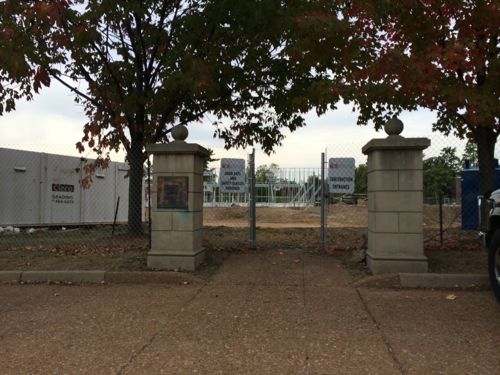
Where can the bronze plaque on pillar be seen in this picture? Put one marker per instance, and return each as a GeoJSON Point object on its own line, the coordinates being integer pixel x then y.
{"type": "Point", "coordinates": [172, 192]}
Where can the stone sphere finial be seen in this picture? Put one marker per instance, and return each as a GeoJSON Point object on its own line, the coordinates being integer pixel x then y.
{"type": "Point", "coordinates": [180, 133]}
{"type": "Point", "coordinates": [394, 126]}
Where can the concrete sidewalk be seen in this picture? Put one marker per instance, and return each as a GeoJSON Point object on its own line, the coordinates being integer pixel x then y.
{"type": "Point", "coordinates": [268, 313]}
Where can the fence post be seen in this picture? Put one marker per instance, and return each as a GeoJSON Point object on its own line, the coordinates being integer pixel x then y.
{"type": "Point", "coordinates": [149, 202]}
{"type": "Point", "coordinates": [323, 211]}
{"type": "Point", "coordinates": [251, 200]}
{"type": "Point", "coordinates": [441, 218]}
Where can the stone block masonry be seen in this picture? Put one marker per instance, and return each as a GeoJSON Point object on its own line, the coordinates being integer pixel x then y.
{"type": "Point", "coordinates": [395, 202]}
{"type": "Point", "coordinates": [177, 205]}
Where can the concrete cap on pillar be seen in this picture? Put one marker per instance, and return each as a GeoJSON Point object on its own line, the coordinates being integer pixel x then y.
{"type": "Point", "coordinates": [394, 127]}
{"type": "Point", "coordinates": [395, 141]}
{"type": "Point", "coordinates": [179, 133]}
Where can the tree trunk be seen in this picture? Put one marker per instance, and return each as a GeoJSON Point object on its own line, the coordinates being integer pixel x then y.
{"type": "Point", "coordinates": [135, 159]}
{"type": "Point", "coordinates": [486, 139]}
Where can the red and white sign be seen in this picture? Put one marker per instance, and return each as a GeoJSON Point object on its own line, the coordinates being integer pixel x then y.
{"type": "Point", "coordinates": [232, 176]}
{"type": "Point", "coordinates": [341, 175]}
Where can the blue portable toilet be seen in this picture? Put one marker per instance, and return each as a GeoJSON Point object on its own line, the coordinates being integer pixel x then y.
{"type": "Point", "coordinates": [470, 191]}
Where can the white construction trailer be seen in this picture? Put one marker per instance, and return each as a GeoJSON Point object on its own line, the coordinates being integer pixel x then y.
{"type": "Point", "coordinates": [39, 189]}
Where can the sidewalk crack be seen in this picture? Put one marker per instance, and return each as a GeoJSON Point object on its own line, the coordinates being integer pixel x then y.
{"type": "Point", "coordinates": [306, 350]}
{"type": "Point", "coordinates": [382, 334]}
{"type": "Point", "coordinates": [121, 370]}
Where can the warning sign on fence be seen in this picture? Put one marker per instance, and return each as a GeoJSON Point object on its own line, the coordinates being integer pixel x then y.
{"type": "Point", "coordinates": [341, 175]}
{"type": "Point", "coordinates": [232, 176]}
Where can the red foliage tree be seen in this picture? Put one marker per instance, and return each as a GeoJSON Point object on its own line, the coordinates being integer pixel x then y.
{"type": "Point", "coordinates": [441, 55]}
{"type": "Point", "coordinates": [402, 55]}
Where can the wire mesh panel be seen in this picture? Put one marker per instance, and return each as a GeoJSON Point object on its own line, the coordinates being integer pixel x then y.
{"type": "Point", "coordinates": [450, 187]}
{"type": "Point", "coordinates": [285, 197]}
{"type": "Point", "coordinates": [347, 211]}
{"type": "Point", "coordinates": [37, 188]}
{"type": "Point", "coordinates": [225, 186]}
{"type": "Point", "coordinates": [53, 217]}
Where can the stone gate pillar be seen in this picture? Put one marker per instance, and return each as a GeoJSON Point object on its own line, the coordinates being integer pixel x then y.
{"type": "Point", "coordinates": [177, 203]}
{"type": "Point", "coordinates": [395, 202]}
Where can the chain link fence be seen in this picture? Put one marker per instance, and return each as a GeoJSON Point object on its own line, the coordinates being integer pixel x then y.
{"type": "Point", "coordinates": [450, 190]}
{"type": "Point", "coordinates": [43, 206]}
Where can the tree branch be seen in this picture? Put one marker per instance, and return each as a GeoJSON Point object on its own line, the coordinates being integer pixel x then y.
{"type": "Point", "coordinates": [76, 91]}
{"type": "Point", "coordinates": [156, 71]}
{"type": "Point", "coordinates": [105, 61]}
{"type": "Point", "coordinates": [137, 54]}
{"type": "Point", "coordinates": [138, 23]}
{"type": "Point", "coordinates": [124, 45]}
{"type": "Point", "coordinates": [149, 68]}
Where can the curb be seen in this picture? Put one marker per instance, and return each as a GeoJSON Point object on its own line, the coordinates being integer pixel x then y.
{"type": "Point", "coordinates": [10, 276]}
{"type": "Point", "coordinates": [159, 277]}
{"type": "Point", "coordinates": [424, 280]}
{"type": "Point", "coordinates": [98, 277]}
{"type": "Point", "coordinates": [406, 280]}
{"type": "Point", "coordinates": [439, 280]}
{"type": "Point", "coordinates": [66, 276]}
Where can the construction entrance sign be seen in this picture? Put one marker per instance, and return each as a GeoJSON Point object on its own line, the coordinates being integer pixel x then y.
{"type": "Point", "coordinates": [341, 175]}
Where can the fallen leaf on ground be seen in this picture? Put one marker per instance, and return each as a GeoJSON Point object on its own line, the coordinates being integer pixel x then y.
{"type": "Point", "coordinates": [451, 297]}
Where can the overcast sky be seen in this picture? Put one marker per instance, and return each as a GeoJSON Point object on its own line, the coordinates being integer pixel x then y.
{"type": "Point", "coordinates": [53, 123]}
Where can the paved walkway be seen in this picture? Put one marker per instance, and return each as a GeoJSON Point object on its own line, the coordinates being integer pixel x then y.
{"type": "Point", "coordinates": [272, 313]}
